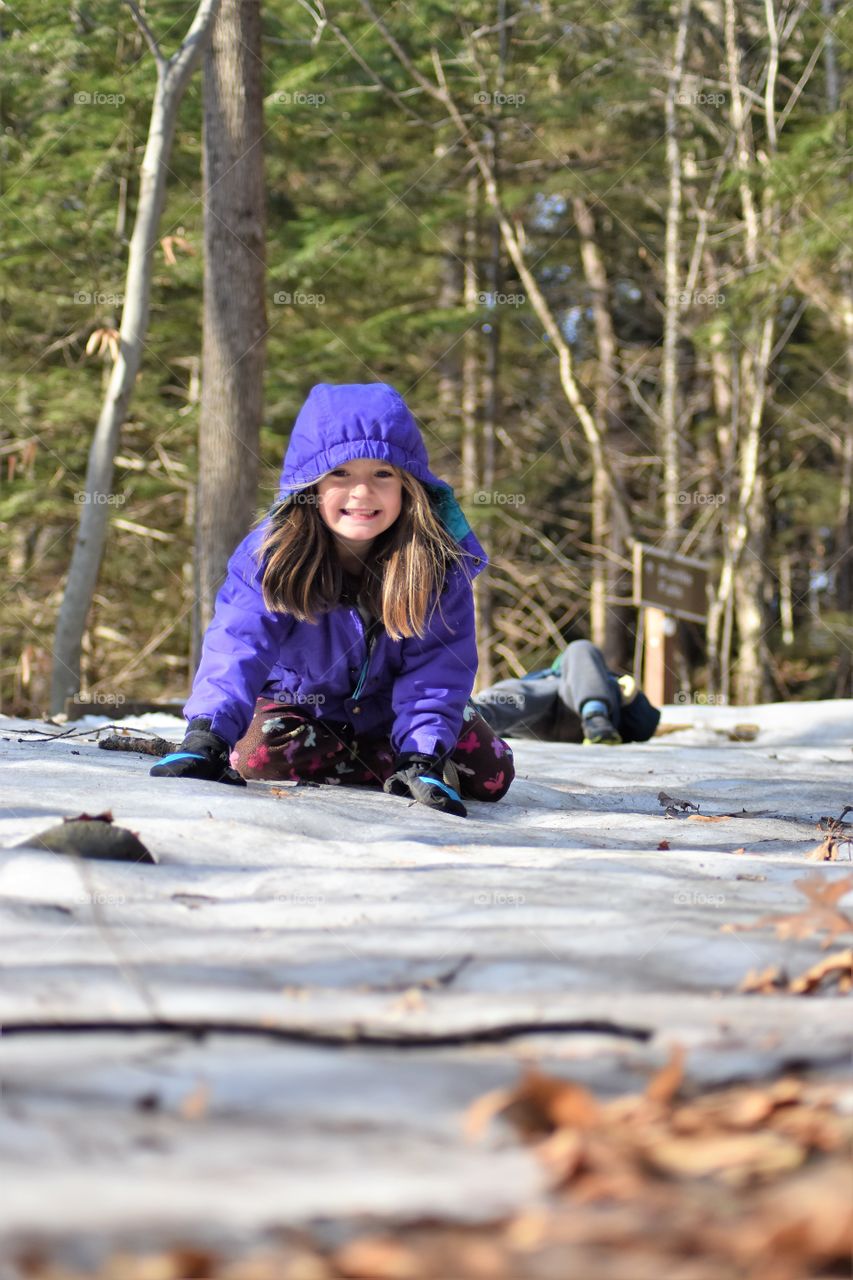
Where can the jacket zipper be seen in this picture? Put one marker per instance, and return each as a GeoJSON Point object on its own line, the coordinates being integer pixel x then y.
{"type": "Point", "coordinates": [370, 641]}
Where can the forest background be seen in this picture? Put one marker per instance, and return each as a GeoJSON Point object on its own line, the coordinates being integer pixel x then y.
{"type": "Point", "coordinates": [603, 251]}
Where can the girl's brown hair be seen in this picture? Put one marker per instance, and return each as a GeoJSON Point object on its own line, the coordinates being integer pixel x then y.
{"type": "Point", "coordinates": [403, 574]}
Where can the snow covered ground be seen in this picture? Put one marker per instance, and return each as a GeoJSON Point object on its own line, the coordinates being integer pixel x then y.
{"type": "Point", "coordinates": [285, 1018]}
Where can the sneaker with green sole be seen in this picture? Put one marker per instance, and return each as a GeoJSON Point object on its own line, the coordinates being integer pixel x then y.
{"type": "Point", "coordinates": [598, 731]}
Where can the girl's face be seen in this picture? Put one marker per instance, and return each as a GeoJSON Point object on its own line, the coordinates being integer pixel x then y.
{"type": "Point", "coordinates": [359, 500]}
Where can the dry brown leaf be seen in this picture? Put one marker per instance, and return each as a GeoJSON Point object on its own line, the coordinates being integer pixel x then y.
{"type": "Point", "coordinates": [194, 1104]}
{"type": "Point", "coordinates": [103, 342]}
{"type": "Point", "coordinates": [749, 1109]}
{"type": "Point", "coordinates": [538, 1105]}
{"type": "Point", "coordinates": [819, 1129]}
{"type": "Point", "coordinates": [822, 916]}
{"type": "Point", "coordinates": [562, 1154]}
{"type": "Point", "coordinates": [168, 244]}
{"type": "Point", "coordinates": [826, 851]}
{"type": "Point", "coordinates": [745, 1156]}
{"type": "Point", "coordinates": [839, 964]}
{"type": "Point", "coordinates": [769, 981]}
{"type": "Point", "coordinates": [664, 844]}
{"type": "Point", "coordinates": [528, 1230]}
{"type": "Point", "coordinates": [483, 1110]}
{"type": "Point", "coordinates": [377, 1258]}
{"type": "Point", "coordinates": [710, 817]}
{"type": "Point", "coordinates": [544, 1102]}
{"type": "Point", "coordinates": [837, 832]}
{"type": "Point", "coordinates": [410, 1001]}
{"type": "Point", "coordinates": [665, 1084]}
{"type": "Point", "coordinates": [808, 1221]}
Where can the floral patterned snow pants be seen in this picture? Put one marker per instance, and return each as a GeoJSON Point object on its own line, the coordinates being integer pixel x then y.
{"type": "Point", "coordinates": [286, 744]}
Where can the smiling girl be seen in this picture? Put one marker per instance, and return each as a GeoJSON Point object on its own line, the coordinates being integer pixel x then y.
{"type": "Point", "coordinates": [342, 647]}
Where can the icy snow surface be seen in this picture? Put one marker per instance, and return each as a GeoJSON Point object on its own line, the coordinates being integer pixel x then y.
{"type": "Point", "coordinates": [286, 1017]}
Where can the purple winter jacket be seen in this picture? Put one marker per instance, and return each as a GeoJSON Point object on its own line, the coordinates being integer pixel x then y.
{"type": "Point", "coordinates": [411, 690]}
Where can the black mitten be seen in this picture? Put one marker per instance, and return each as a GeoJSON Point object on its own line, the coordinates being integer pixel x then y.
{"type": "Point", "coordinates": [202, 754]}
{"type": "Point", "coordinates": [420, 778]}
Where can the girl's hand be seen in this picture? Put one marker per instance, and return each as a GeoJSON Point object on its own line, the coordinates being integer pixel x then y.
{"type": "Point", "coordinates": [202, 754]}
{"type": "Point", "coordinates": [420, 778]}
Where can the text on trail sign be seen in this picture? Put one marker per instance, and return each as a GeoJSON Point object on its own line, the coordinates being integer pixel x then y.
{"type": "Point", "coordinates": [675, 584]}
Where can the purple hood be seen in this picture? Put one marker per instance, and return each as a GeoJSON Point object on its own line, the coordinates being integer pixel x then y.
{"type": "Point", "coordinates": [366, 420]}
{"type": "Point", "coordinates": [413, 690]}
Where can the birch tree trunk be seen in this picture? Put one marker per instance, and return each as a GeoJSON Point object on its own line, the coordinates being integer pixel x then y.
{"type": "Point", "coordinates": [844, 523]}
{"type": "Point", "coordinates": [233, 347]}
{"type": "Point", "coordinates": [173, 76]}
{"type": "Point", "coordinates": [753, 373]}
{"type": "Point", "coordinates": [607, 629]}
{"type": "Point", "coordinates": [673, 298]}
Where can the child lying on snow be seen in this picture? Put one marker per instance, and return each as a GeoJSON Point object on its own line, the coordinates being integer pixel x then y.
{"type": "Point", "coordinates": [342, 648]}
{"type": "Point", "coordinates": [577, 699]}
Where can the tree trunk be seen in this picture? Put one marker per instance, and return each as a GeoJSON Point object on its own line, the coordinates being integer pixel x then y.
{"type": "Point", "coordinates": [754, 367]}
{"type": "Point", "coordinates": [673, 301]}
{"type": "Point", "coordinates": [609, 627]}
{"type": "Point", "coordinates": [751, 666]}
{"type": "Point", "coordinates": [844, 523]}
{"type": "Point", "coordinates": [448, 367]}
{"type": "Point", "coordinates": [235, 327]}
{"type": "Point", "coordinates": [491, 402]}
{"type": "Point", "coordinates": [470, 343]}
{"type": "Point", "coordinates": [173, 76]}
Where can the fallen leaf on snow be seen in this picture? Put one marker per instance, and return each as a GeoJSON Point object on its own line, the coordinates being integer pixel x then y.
{"type": "Point", "coordinates": [738, 1157]}
{"type": "Point", "coordinates": [837, 832]}
{"type": "Point", "coordinates": [537, 1105]}
{"type": "Point", "coordinates": [822, 916]}
{"type": "Point", "coordinates": [838, 966]}
{"type": "Point", "coordinates": [377, 1258]}
{"type": "Point", "coordinates": [194, 1104]}
{"type": "Point", "coordinates": [766, 981]}
{"type": "Point", "coordinates": [665, 1084]}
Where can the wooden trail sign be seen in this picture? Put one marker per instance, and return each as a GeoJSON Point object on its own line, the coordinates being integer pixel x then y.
{"type": "Point", "coordinates": [666, 587]}
{"type": "Point", "coordinates": [677, 585]}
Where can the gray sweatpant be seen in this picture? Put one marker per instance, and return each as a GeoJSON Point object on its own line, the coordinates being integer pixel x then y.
{"type": "Point", "coordinates": [547, 705]}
